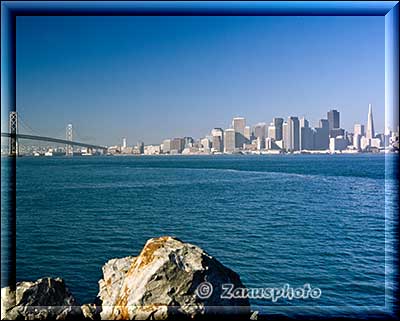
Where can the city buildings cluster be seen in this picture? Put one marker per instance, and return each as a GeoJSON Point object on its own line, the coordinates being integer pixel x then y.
{"type": "Point", "coordinates": [291, 135]}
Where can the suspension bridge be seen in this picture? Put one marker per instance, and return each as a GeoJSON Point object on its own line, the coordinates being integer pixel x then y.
{"type": "Point", "coordinates": [14, 136]}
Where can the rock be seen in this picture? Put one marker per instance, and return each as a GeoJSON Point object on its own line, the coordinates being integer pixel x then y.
{"type": "Point", "coordinates": [168, 279]}
{"type": "Point", "coordinates": [47, 298]}
{"type": "Point", "coordinates": [91, 311]}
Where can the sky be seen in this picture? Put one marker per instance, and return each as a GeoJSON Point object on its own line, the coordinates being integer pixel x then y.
{"type": "Point", "coordinates": [152, 78]}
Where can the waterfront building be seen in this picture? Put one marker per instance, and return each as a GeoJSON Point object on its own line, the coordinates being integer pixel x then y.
{"type": "Point", "coordinates": [292, 134]}
{"type": "Point", "coordinates": [285, 136]}
{"type": "Point", "coordinates": [229, 140]}
{"type": "Point", "coordinates": [338, 144]}
{"type": "Point", "coordinates": [206, 145]}
{"type": "Point", "coordinates": [306, 135]}
{"type": "Point", "coordinates": [365, 143]}
{"type": "Point", "coordinates": [359, 129]}
{"type": "Point", "coordinates": [370, 124]}
{"type": "Point", "coordinates": [238, 125]}
{"type": "Point", "coordinates": [177, 145]}
{"type": "Point", "coordinates": [278, 124]}
{"type": "Point", "coordinates": [166, 146]}
{"type": "Point", "coordinates": [124, 142]}
{"type": "Point", "coordinates": [188, 141]}
{"type": "Point", "coordinates": [217, 140]}
{"type": "Point", "coordinates": [152, 150]}
{"type": "Point", "coordinates": [357, 141]}
{"type": "Point", "coordinates": [140, 147]}
{"type": "Point", "coordinates": [333, 119]}
{"type": "Point", "coordinates": [321, 135]}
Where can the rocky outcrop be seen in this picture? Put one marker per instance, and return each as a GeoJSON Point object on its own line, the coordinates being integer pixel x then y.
{"type": "Point", "coordinates": [168, 279]}
{"type": "Point", "coordinates": [46, 298]}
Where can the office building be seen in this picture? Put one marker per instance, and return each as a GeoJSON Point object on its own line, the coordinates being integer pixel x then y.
{"type": "Point", "coordinates": [338, 144]}
{"type": "Point", "coordinates": [292, 134]}
{"type": "Point", "coordinates": [217, 140]}
{"type": "Point", "coordinates": [247, 134]}
{"type": "Point", "coordinates": [333, 119]}
{"type": "Point", "coordinates": [306, 135]}
{"type": "Point", "coordinates": [321, 135]}
{"type": "Point", "coordinates": [370, 125]}
{"type": "Point", "coordinates": [278, 124]}
{"type": "Point", "coordinates": [166, 146]}
{"type": "Point", "coordinates": [140, 147]}
{"type": "Point", "coordinates": [359, 129]}
{"type": "Point", "coordinates": [357, 141]}
{"type": "Point", "coordinates": [238, 125]}
{"type": "Point", "coordinates": [229, 140]}
{"type": "Point", "coordinates": [177, 145]}
{"type": "Point", "coordinates": [260, 130]}
{"type": "Point", "coordinates": [335, 132]}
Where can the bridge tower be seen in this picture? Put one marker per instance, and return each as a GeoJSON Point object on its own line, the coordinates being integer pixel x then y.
{"type": "Point", "coordinates": [69, 151]}
{"type": "Point", "coordinates": [13, 149]}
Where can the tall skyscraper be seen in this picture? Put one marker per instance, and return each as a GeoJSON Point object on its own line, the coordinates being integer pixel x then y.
{"type": "Point", "coordinates": [124, 142]}
{"type": "Point", "coordinates": [247, 134]}
{"type": "Point", "coordinates": [166, 146]}
{"type": "Point", "coordinates": [291, 134]}
{"type": "Point", "coordinates": [271, 131]}
{"type": "Point", "coordinates": [285, 135]}
{"type": "Point", "coordinates": [278, 123]}
{"type": "Point", "coordinates": [229, 140]}
{"type": "Point", "coordinates": [238, 125]}
{"type": "Point", "coordinates": [217, 140]}
{"type": "Point", "coordinates": [177, 145]}
{"type": "Point", "coordinates": [359, 129]}
{"type": "Point", "coordinates": [370, 124]}
{"type": "Point", "coordinates": [140, 147]}
{"type": "Point", "coordinates": [333, 119]}
{"type": "Point", "coordinates": [306, 135]}
{"type": "Point", "coordinates": [260, 130]}
{"type": "Point", "coordinates": [321, 135]}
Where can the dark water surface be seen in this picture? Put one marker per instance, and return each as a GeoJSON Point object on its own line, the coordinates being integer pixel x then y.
{"type": "Point", "coordinates": [295, 219]}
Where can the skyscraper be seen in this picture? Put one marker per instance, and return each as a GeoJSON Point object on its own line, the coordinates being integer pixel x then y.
{"type": "Point", "coordinates": [294, 133]}
{"type": "Point", "coordinates": [306, 135]}
{"type": "Point", "coordinates": [291, 134]}
{"type": "Point", "coordinates": [333, 119]}
{"type": "Point", "coordinates": [177, 145]}
{"type": "Point", "coordinates": [278, 123]}
{"type": "Point", "coordinates": [229, 140]}
{"type": "Point", "coordinates": [370, 124]}
{"type": "Point", "coordinates": [321, 135]}
{"type": "Point", "coordinates": [247, 134]}
{"type": "Point", "coordinates": [238, 124]}
{"type": "Point", "coordinates": [217, 140]}
{"type": "Point", "coordinates": [260, 130]}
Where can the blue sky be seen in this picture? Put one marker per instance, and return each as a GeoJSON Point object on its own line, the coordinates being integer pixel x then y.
{"type": "Point", "coordinates": [150, 78]}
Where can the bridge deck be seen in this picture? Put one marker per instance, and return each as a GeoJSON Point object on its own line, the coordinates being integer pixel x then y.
{"type": "Point", "coordinates": [53, 140]}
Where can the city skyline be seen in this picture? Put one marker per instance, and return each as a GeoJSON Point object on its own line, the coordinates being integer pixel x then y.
{"type": "Point", "coordinates": [146, 78]}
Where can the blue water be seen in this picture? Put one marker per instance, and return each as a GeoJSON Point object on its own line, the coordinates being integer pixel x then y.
{"type": "Point", "coordinates": [277, 219]}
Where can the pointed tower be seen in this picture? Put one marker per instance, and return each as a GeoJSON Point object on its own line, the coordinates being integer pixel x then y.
{"type": "Point", "coordinates": [370, 124]}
